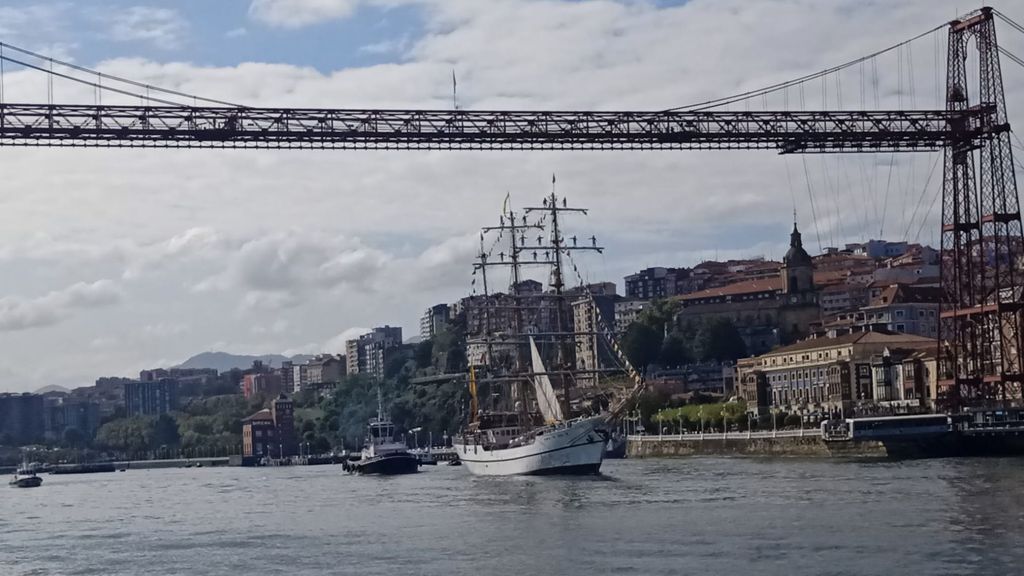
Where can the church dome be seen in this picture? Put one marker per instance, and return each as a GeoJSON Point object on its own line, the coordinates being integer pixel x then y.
{"type": "Point", "coordinates": [796, 255]}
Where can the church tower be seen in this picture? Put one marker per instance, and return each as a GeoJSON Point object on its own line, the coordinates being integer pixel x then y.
{"type": "Point", "coordinates": [797, 267]}
{"type": "Point", "coordinates": [798, 302]}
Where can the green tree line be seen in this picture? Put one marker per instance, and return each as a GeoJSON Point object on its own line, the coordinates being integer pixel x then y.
{"type": "Point", "coordinates": [656, 338]}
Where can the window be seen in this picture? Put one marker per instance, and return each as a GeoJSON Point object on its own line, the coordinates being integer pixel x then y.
{"type": "Point", "coordinates": [899, 313]}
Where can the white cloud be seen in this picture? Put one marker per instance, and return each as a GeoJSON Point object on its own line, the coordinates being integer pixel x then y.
{"type": "Point", "coordinates": [336, 345]}
{"type": "Point", "coordinates": [103, 342]}
{"type": "Point", "coordinates": [299, 13]}
{"type": "Point", "coordinates": [163, 27]}
{"type": "Point", "coordinates": [54, 307]}
{"type": "Point", "coordinates": [236, 33]}
{"type": "Point", "coordinates": [30, 21]}
{"type": "Point", "coordinates": [279, 270]}
{"type": "Point", "coordinates": [279, 326]}
{"type": "Point", "coordinates": [163, 329]}
{"type": "Point", "coordinates": [334, 239]}
{"type": "Point", "coordinates": [309, 348]}
{"type": "Point", "coordinates": [193, 243]}
{"type": "Point", "coordinates": [394, 46]}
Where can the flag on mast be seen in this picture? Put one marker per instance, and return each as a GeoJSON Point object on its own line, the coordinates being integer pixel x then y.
{"type": "Point", "coordinates": [455, 91]}
{"type": "Point", "coordinates": [504, 205]}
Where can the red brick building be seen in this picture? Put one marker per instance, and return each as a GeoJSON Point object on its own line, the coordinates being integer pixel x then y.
{"type": "Point", "coordinates": [259, 435]}
{"type": "Point", "coordinates": [270, 433]}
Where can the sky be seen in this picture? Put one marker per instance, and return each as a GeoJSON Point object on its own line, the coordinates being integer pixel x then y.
{"type": "Point", "coordinates": [115, 261]}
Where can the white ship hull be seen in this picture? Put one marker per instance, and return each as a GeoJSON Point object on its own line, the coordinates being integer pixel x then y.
{"type": "Point", "coordinates": [576, 448]}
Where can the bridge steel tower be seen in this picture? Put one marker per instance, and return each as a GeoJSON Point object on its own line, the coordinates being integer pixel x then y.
{"type": "Point", "coordinates": [980, 319]}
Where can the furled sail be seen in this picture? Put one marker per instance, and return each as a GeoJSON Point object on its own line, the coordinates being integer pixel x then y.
{"type": "Point", "coordinates": [547, 401]}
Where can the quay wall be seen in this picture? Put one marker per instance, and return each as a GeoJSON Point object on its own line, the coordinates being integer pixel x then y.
{"type": "Point", "coordinates": [172, 463]}
{"type": "Point", "coordinates": [794, 446]}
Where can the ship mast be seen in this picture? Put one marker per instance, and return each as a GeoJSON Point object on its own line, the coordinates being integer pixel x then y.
{"type": "Point", "coordinates": [566, 356]}
{"type": "Point", "coordinates": [508, 223]}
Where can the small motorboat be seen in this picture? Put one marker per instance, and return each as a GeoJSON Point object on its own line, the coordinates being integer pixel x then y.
{"type": "Point", "coordinates": [426, 459]}
{"type": "Point", "coordinates": [455, 462]}
{"type": "Point", "coordinates": [26, 481]}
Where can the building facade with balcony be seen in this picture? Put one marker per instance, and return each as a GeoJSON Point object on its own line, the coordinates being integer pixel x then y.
{"type": "Point", "coordinates": [837, 376]}
{"type": "Point", "coordinates": [654, 283]}
{"type": "Point", "coordinates": [21, 418]}
{"type": "Point", "coordinates": [150, 398]}
{"type": "Point", "coordinates": [368, 354]}
{"type": "Point", "coordinates": [434, 321]}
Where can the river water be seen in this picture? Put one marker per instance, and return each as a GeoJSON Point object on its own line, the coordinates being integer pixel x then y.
{"type": "Point", "coordinates": [687, 516]}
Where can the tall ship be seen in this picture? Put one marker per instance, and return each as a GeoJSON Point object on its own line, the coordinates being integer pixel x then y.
{"type": "Point", "coordinates": [535, 408]}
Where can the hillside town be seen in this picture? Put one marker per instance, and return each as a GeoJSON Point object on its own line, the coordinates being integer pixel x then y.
{"type": "Point", "coordinates": [849, 331]}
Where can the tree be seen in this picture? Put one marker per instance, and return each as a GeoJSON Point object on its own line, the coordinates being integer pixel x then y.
{"type": "Point", "coordinates": [660, 314]}
{"type": "Point", "coordinates": [128, 435]}
{"type": "Point", "coordinates": [450, 346]}
{"type": "Point", "coordinates": [675, 351]}
{"type": "Point", "coordinates": [642, 344]}
{"type": "Point", "coordinates": [73, 437]}
{"type": "Point", "coordinates": [320, 445]}
{"type": "Point", "coordinates": [424, 354]}
{"type": "Point", "coordinates": [718, 340]}
{"type": "Point", "coordinates": [650, 404]}
{"type": "Point", "coordinates": [456, 361]}
{"type": "Point", "coordinates": [165, 432]}
{"type": "Point", "coordinates": [395, 364]}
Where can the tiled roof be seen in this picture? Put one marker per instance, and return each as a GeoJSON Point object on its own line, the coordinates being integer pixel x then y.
{"type": "Point", "coordinates": [908, 340]}
{"type": "Point", "coordinates": [907, 294]}
{"type": "Point", "coordinates": [828, 277]}
{"type": "Point", "coordinates": [737, 288]}
{"type": "Point", "coordinates": [264, 414]}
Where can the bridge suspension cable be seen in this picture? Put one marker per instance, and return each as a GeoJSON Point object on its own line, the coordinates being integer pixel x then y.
{"type": "Point", "coordinates": [51, 61]}
{"type": "Point", "coordinates": [726, 100]}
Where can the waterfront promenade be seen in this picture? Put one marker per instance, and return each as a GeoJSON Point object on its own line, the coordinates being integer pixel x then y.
{"type": "Point", "coordinates": [801, 442]}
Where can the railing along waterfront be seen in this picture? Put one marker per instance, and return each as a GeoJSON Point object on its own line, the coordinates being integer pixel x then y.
{"type": "Point", "coordinates": [698, 436]}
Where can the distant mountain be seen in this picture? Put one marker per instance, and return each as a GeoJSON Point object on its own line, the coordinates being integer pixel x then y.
{"type": "Point", "coordinates": [223, 362]}
{"type": "Point", "coordinates": [53, 388]}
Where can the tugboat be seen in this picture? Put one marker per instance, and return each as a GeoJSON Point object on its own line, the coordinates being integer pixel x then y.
{"type": "Point", "coordinates": [29, 480]}
{"type": "Point", "coordinates": [381, 454]}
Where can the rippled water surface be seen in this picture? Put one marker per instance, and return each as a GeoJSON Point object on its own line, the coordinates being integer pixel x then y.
{"type": "Point", "coordinates": [692, 516]}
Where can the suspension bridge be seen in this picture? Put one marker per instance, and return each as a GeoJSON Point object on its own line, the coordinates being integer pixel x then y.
{"type": "Point", "coordinates": [981, 339]}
